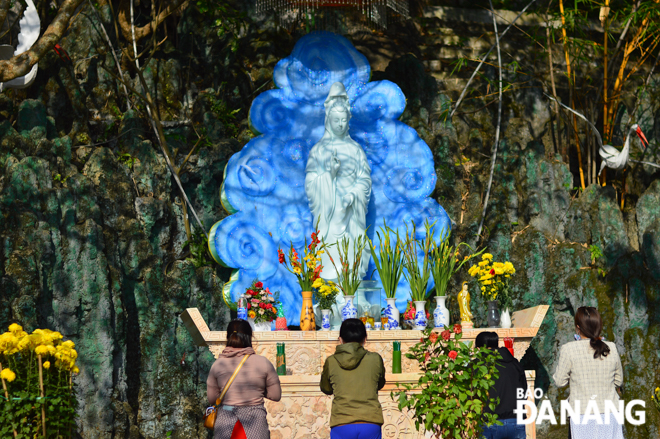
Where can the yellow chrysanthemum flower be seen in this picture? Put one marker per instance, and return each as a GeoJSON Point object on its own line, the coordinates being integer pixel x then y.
{"type": "Point", "coordinates": [41, 350]}
{"type": "Point", "coordinates": [498, 271]}
{"type": "Point", "coordinates": [317, 283]}
{"type": "Point", "coordinates": [487, 257]}
{"type": "Point", "coordinates": [46, 365]}
{"type": "Point", "coordinates": [8, 374]}
{"type": "Point", "coordinates": [483, 263]}
{"type": "Point", "coordinates": [75, 369]}
{"type": "Point", "coordinates": [15, 327]}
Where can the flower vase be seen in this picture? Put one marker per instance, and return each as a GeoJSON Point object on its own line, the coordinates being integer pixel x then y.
{"type": "Point", "coordinates": [493, 314]}
{"type": "Point", "coordinates": [392, 313]}
{"type": "Point", "coordinates": [420, 315]}
{"type": "Point", "coordinates": [441, 313]}
{"type": "Point", "coordinates": [307, 320]}
{"type": "Point", "coordinates": [259, 327]}
{"type": "Point", "coordinates": [325, 321]}
{"type": "Point", "coordinates": [349, 311]}
{"type": "Point", "coordinates": [505, 320]}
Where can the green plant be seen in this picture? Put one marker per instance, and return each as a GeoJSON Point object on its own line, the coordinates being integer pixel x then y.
{"type": "Point", "coordinates": [36, 371]}
{"type": "Point", "coordinates": [596, 253]}
{"type": "Point", "coordinates": [225, 115]}
{"type": "Point", "coordinates": [443, 262]}
{"type": "Point", "coordinates": [655, 397]}
{"type": "Point", "coordinates": [450, 397]}
{"type": "Point", "coordinates": [58, 177]}
{"type": "Point", "coordinates": [415, 273]}
{"type": "Point", "coordinates": [388, 260]}
{"type": "Point", "coordinates": [199, 250]}
{"type": "Point", "coordinates": [126, 159]}
{"type": "Point", "coordinates": [348, 271]}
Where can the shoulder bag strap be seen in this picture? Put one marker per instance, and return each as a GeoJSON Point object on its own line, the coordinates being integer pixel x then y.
{"type": "Point", "coordinates": [231, 380]}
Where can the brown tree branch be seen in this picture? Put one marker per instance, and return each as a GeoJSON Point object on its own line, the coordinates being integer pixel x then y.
{"type": "Point", "coordinates": [123, 14]}
{"type": "Point", "coordinates": [21, 64]}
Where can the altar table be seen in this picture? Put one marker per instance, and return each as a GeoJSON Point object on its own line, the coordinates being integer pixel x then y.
{"type": "Point", "coordinates": [304, 411]}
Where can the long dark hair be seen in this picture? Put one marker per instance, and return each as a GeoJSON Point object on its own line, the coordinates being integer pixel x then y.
{"type": "Point", "coordinates": [587, 318]}
{"type": "Point", "coordinates": [239, 334]}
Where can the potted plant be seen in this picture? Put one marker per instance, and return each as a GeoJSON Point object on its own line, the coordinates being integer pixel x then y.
{"type": "Point", "coordinates": [450, 397]}
{"type": "Point", "coordinates": [445, 262]}
{"type": "Point", "coordinates": [307, 271]}
{"type": "Point", "coordinates": [348, 271]}
{"type": "Point", "coordinates": [494, 278]}
{"type": "Point", "coordinates": [389, 263]}
{"type": "Point", "coordinates": [326, 296]}
{"type": "Point", "coordinates": [418, 273]}
{"type": "Point", "coordinates": [262, 306]}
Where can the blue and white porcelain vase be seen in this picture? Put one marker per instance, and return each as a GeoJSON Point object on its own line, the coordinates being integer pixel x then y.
{"type": "Point", "coordinates": [392, 313]}
{"type": "Point", "coordinates": [420, 315]}
{"type": "Point", "coordinates": [441, 313]}
{"type": "Point", "coordinates": [325, 321]}
{"type": "Point", "coordinates": [349, 311]}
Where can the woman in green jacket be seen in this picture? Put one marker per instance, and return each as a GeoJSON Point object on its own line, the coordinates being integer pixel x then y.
{"type": "Point", "coordinates": [354, 375]}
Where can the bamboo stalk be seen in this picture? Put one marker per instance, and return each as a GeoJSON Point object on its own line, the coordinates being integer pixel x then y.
{"type": "Point", "coordinates": [499, 120]}
{"type": "Point", "coordinates": [571, 81]}
{"type": "Point", "coordinates": [605, 69]}
{"type": "Point", "coordinates": [4, 387]}
{"type": "Point", "coordinates": [43, 405]}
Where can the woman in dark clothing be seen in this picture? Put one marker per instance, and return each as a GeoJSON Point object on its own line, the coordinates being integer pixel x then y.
{"type": "Point", "coordinates": [354, 375]}
{"type": "Point", "coordinates": [507, 385]}
{"type": "Point", "coordinates": [255, 381]}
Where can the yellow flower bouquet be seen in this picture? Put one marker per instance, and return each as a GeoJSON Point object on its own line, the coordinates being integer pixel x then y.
{"type": "Point", "coordinates": [36, 373]}
{"type": "Point", "coordinates": [493, 278]}
{"type": "Point", "coordinates": [325, 292]}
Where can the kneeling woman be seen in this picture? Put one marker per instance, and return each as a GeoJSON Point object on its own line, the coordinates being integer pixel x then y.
{"type": "Point", "coordinates": [354, 376]}
{"type": "Point", "coordinates": [244, 400]}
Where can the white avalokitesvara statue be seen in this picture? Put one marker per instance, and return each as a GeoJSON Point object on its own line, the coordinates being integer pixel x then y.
{"type": "Point", "coordinates": [30, 26]}
{"type": "Point", "coordinates": [338, 188]}
{"type": "Point", "coordinates": [612, 157]}
{"type": "Point", "coordinates": [338, 182]}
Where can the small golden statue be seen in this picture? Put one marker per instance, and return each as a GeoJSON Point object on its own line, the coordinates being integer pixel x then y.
{"type": "Point", "coordinates": [464, 305]}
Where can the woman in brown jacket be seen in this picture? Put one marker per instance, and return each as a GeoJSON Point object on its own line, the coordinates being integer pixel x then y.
{"type": "Point", "coordinates": [255, 381]}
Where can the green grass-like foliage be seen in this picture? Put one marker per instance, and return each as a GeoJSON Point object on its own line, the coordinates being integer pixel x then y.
{"type": "Point", "coordinates": [450, 397]}
{"type": "Point", "coordinates": [22, 408]}
{"type": "Point", "coordinates": [388, 260]}
{"type": "Point", "coordinates": [418, 273]}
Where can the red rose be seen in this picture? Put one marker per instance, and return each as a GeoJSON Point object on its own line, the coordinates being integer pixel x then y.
{"type": "Point", "coordinates": [269, 305]}
{"type": "Point", "coordinates": [453, 354]}
{"type": "Point", "coordinates": [258, 285]}
{"type": "Point", "coordinates": [457, 329]}
{"type": "Point", "coordinates": [492, 271]}
{"type": "Point", "coordinates": [249, 306]}
{"type": "Point", "coordinates": [251, 292]}
{"type": "Point", "coordinates": [445, 335]}
{"type": "Point", "coordinates": [427, 356]}
{"type": "Point", "coordinates": [433, 337]}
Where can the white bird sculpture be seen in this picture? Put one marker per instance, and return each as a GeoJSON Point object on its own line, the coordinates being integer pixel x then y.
{"type": "Point", "coordinates": [611, 157]}
{"type": "Point", "coordinates": [30, 26]}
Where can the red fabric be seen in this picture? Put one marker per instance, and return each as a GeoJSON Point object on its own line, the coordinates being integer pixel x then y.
{"type": "Point", "coordinates": [238, 432]}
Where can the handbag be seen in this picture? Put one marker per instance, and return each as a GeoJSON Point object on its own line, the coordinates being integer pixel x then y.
{"type": "Point", "coordinates": [212, 412]}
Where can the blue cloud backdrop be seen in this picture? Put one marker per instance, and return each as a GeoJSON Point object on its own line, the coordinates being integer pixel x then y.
{"type": "Point", "coordinates": [263, 184]}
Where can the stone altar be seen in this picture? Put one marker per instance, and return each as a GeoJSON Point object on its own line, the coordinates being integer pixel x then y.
{"type": "Point", "coordinates": [304, 410]}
